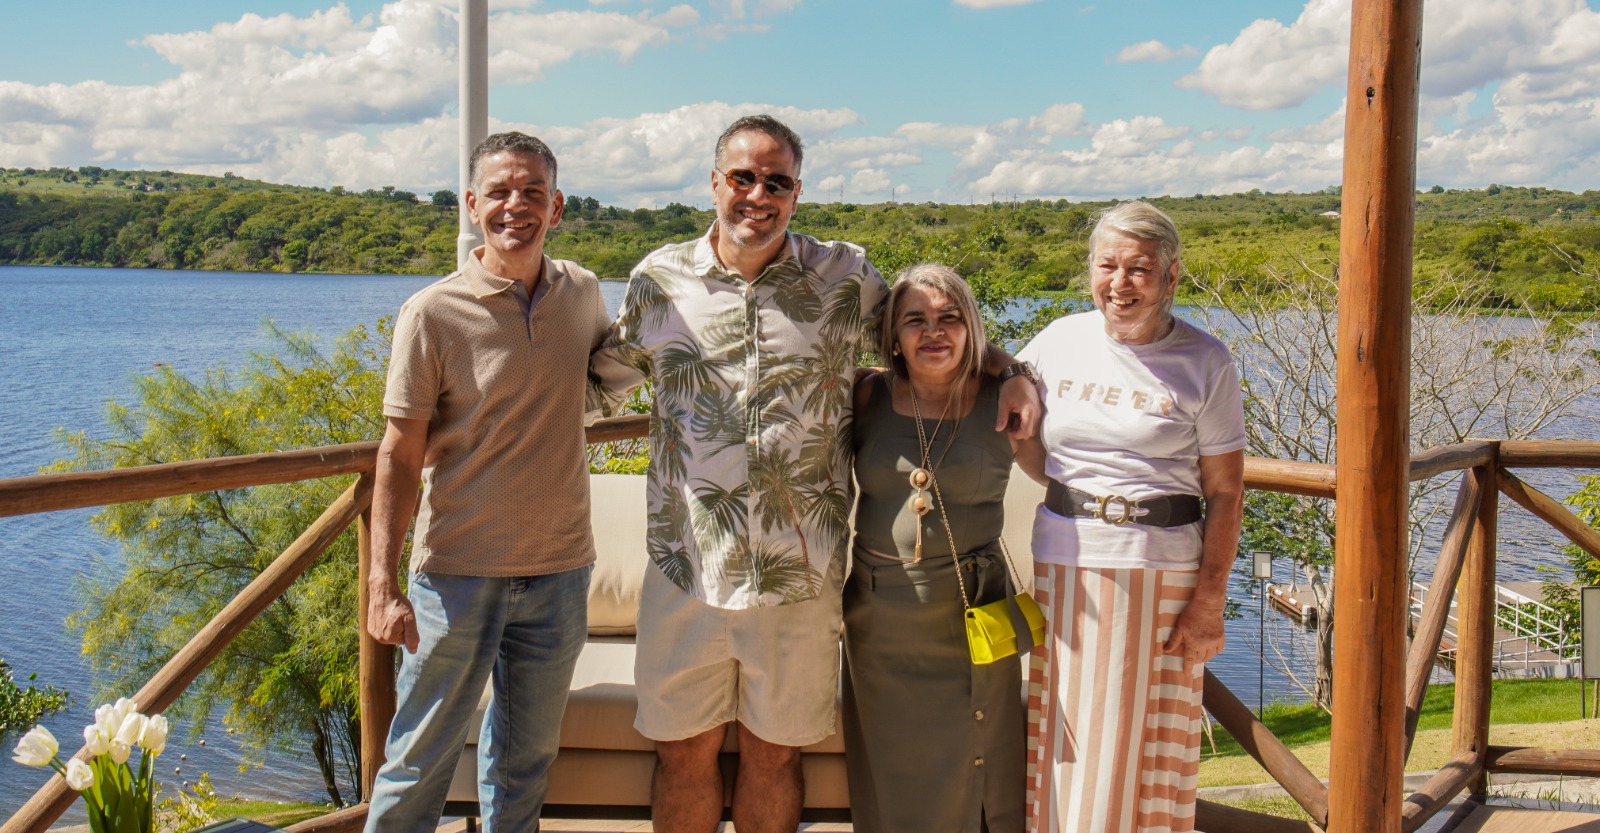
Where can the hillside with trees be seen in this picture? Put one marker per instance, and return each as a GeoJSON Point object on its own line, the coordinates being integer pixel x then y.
{"type": "Point", "coordinates": [1533, 246]}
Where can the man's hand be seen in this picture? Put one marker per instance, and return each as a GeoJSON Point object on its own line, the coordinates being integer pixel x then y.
{"type": "Point", "coordinates": [391, 620]}
{"type": "Point", "coordinates": [1020, 408]}
{"type": "Point", "coordinates": [1198, 634]}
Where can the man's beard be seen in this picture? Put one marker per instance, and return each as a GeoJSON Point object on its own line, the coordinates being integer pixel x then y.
{"type": "Point", "coordinates": [742, 237]}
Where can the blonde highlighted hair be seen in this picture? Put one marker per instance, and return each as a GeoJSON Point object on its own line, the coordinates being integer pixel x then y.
{"type": "Point", "coordinates": [945, 281]}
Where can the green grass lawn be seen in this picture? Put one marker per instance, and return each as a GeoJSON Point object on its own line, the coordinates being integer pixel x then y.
{"type": "Point", "coordinates": [1522, 713]}
{"type": "Point", "coordinates": [270, 812]}
{"type": "Point", "coordinates": [1513, 701]}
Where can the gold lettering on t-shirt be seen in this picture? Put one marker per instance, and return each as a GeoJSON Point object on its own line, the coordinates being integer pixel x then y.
{"type": "Point", "coordinates": [1115, 396]}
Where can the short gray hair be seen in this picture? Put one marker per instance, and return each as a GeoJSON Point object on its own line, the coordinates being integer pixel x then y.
{"type": "Point", "coordinates": [1138, 218]}
{"type": "Point", "coordinates": [764, 124]}
{"type": "Point", "coordinates": [945, 281]}
{"type": "Point", "coordinates": [513, 142]}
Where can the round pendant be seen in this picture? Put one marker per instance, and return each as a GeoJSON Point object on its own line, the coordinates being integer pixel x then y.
{"type": "Point", "coordinates": [920, 504]}
{"type": "Point", "coordinates": [920, 478]}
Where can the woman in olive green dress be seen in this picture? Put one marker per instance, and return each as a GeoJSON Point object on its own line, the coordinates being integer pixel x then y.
{"type": "Point", "coordinates": [932, 741]}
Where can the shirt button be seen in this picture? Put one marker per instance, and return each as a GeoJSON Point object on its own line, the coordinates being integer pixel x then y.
{"type": "Point", "coordinates": [751, 442]}
{"type": "Point", "coordinates": [978, 714]}
{"type": "Point", "coordinates": [977, 762]}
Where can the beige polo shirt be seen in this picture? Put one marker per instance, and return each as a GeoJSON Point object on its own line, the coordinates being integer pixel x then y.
{"type": "Point", "coordinates": [505, 481]}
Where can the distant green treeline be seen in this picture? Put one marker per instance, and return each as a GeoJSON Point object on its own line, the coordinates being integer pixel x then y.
{"type": "Point", "coordinates": [1533, 245]}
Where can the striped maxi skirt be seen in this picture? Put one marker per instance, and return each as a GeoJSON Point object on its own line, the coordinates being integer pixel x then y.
{"type": "Point", "coordinates": [1113, 723]}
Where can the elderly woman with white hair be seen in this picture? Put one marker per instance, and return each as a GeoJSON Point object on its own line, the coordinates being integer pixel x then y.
{"type": "Point", "coordinates": [1144, 451]}
{"type": "Point", "coordinates": [932, 741]}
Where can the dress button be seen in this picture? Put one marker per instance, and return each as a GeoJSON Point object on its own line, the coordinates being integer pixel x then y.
{"type": "Point", "coordinates": [978, 714]}
{"type": "Point", "coordinates": [977, 762]}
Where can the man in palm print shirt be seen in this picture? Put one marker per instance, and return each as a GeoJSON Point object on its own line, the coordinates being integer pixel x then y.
{"type": "Point", "coordinates": [750, 335]}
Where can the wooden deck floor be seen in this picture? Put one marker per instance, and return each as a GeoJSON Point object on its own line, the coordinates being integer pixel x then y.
{"type": "Point", "coordinates": [1521, 820]}
{"type": "Point", "coordinates": [609, 826]}
{"type": "Point", "coordinates": [1489, 819]}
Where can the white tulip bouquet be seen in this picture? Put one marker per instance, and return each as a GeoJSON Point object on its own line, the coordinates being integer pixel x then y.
{"type": "Point", "coordinates": [119, 800]}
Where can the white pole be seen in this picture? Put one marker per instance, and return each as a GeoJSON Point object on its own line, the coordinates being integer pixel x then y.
{"type": "Point", "coordinates": [473, 95]}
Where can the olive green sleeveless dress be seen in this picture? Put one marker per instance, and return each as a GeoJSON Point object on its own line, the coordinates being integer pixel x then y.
{"type": "Point", "coordinates": [933, 743]}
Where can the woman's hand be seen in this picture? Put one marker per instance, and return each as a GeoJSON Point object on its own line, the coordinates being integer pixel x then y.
{"type": "Point", "coordinates": [1198, 634]}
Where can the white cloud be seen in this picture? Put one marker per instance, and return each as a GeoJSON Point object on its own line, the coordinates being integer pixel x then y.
{"type": "Point", "coordinates": [870, 185]}
{"type": "Point", "coordinates": [1155, 51]}
{"type": "Point", "coordinates": [738, 9]}
{"type": "Point", "coordinates": [1059, 120]}
{"type": "Point", "coordinates": [1541, 47]}
{"type": "Point", "coordinates": [1270, 65]}
{"type": "Point", "coordinates": [263, 96]}
{"type": "Point", "coordinates": [992, 4]}
{"type": "Point", "coordinates": [523, 46]}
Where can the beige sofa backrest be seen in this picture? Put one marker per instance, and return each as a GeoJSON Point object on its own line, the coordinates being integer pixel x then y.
{"type": "Point", "coordinates": [617, 513]}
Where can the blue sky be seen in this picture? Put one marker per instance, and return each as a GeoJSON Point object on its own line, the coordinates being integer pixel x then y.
{"type": "Point", "coordinates": [948, 100]}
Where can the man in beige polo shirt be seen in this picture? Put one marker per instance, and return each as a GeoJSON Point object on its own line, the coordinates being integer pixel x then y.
{"type": "Point", "coordinates": [485, 409]}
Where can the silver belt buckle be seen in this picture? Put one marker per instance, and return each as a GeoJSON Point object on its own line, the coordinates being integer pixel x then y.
{"type": "Point", "coordinates": [1127, 510]}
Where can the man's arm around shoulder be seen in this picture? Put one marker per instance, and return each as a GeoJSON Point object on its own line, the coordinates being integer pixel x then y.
{"type": "Point", "coordinates": [390, 619]}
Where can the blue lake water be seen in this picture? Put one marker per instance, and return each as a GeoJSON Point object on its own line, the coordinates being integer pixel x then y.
{"type": "Point", "coordinates": [73, 338]}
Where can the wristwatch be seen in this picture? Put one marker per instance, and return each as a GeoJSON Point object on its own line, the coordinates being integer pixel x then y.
{"type": "Point", "coordinates": [1019, 369]}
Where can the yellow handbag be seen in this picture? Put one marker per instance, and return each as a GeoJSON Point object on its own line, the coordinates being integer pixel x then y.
{"type": "Point", "coordinates": [999, 629]}
{"type": "Point", "coordinates": [1013, 625]}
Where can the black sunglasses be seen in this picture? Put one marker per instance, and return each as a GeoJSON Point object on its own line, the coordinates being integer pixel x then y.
{"type": "Point", "coordinates": [778, 185]}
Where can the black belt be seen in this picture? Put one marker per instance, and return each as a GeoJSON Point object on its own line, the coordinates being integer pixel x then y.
{"type": "Point", "coordinates": [1161, 510]}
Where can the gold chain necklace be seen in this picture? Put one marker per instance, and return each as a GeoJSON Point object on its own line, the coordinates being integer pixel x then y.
{"type": "Point", "coordinates": [922, 477]}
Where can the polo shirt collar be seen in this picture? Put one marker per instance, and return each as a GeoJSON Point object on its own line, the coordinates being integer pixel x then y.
{"type": "Point", "coordinates": [708, 265]}
{"type": "Point", "coordinates": [484, 283]}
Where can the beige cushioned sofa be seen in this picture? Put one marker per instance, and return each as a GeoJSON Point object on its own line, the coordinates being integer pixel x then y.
{"type": "Point", "coordinates": [604, 767]}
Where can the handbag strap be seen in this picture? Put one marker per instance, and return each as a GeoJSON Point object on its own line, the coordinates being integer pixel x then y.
{"type": "Point", "coordinates": [966, 602]}
{"type": "Point", "coordinates": [944, 517]}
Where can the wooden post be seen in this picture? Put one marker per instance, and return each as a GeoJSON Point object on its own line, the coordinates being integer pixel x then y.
{"type": "Point", "coordinates": [1441, 592]}
{"type": "Point", "coordinates": [375, 666]}
{"type": "Point", "coordinates": [1475, 626]}
{"type": "Point", "coordinates": [1373, 381]}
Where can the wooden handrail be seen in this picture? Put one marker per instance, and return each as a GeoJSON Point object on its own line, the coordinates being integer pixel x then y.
{"type": "Point", "coordinates": [55, 796]}
{"type": "Point", "coordinates": [1264, 746]}
{"type": "Point", "coordinates": [349, 820]}
{"type": "Point", "coordinates": [1452, 778]}
{"type": "Point", "coordinates": [1294, 477]}
{"type": "Point", "coordinates": [1535, 761]}
{"type": "Point", "coordinates": [1221, 818]}
{"type": "Point", "coordinates": [1425, 464]}
{"type": "Point", "coordinates": [1551, 512]}
{"type": "Point", "coordinates": [1550, 453]}
{"type": "Point", "coordinates": [80, 489]}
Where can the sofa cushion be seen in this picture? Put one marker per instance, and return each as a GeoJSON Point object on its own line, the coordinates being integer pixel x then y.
{"type": "Point", "coordinates": [617, 514]}
{"type": "Point", "coordinates": [616, 511]}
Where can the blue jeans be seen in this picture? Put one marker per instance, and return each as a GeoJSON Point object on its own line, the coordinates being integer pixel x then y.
{"type": "Point", "coordinates": [528, 633]}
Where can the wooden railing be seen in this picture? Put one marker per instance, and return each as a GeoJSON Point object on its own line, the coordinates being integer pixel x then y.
{"type": "Point", "coordinates": [1466, 560]}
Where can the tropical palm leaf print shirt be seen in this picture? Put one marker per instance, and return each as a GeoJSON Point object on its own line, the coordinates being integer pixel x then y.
{"type": "Point", "coordinates": [749, 492]}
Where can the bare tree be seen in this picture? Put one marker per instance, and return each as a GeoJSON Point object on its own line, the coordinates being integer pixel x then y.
{"type": "Point", "coordinates": [1505, 374]}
